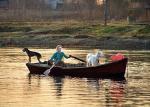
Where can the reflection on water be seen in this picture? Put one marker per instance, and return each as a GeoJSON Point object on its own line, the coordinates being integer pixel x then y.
{"type": "Point", "coordinates": [19, 89]}
{"type": "Point", "coordinates": [58, 82]}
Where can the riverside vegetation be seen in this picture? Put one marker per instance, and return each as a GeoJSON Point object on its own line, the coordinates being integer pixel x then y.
{"type": "Point", "coordinates": [116, 35]}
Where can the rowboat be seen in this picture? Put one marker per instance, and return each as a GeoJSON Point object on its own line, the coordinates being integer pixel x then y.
{"type": "Point", "coordinates": [114, 69]}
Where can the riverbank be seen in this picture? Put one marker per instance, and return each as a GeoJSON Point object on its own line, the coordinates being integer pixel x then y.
{"type": "Point", "coordinates": [117, 35]}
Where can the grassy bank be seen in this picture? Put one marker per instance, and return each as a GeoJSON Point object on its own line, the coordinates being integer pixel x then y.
{"type": "Point", "coordinates": [72, 33]}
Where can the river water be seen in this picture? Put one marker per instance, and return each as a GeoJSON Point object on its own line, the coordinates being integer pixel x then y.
{"type": "Point", "coordinates": [18, 89]}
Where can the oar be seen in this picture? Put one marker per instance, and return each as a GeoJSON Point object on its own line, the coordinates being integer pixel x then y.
{"type": "Point", "coordinates": [48, 70]}
{"type": "Point", "coordinates": [77, 58]}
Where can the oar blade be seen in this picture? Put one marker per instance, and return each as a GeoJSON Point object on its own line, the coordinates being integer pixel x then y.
{"type": "Point", "coordinates": [46, 73]}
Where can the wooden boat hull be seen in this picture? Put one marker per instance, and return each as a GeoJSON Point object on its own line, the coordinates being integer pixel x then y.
{"type": "Point", "coordinates": [110, 70]}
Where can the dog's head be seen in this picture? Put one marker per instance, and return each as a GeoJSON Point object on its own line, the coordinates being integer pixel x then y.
{"type": "Point", "coordinates": [25, 49]}
{"type": "Point", "coordinates": [99, 54]}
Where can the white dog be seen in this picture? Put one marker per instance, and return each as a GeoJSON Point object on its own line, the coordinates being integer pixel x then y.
{"type": "Point", "coordinates": [93, 59]}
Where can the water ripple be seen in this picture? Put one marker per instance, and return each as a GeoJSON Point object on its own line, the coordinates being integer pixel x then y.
{"type": "Point", "coordinates": [17, 88]}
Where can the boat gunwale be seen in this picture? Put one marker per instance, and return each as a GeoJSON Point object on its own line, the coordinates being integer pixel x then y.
{"type": "Point", "coordinates": [109, 63]}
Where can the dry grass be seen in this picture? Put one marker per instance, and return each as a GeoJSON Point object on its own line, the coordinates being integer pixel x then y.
{"type": "Point", "coordinates": [49, 32]}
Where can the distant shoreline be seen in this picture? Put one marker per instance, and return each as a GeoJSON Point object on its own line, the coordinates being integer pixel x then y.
{"type": "Point", "coordinates": [116, 35]}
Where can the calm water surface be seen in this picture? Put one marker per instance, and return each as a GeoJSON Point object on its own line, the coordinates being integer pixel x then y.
{"type": "Point", "coordinates": [18, 89]}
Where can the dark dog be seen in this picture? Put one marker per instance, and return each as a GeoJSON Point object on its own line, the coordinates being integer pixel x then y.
{"type": "Point", "coordinates": [31, 54]}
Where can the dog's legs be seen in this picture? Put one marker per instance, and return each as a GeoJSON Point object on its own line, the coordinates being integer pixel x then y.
{"type": "Point", "coordinates": [88, 64]}
{"type": "Point", "coordinates": [38, 58]}
{"type": "Point", "coordinates": [30, 59]}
